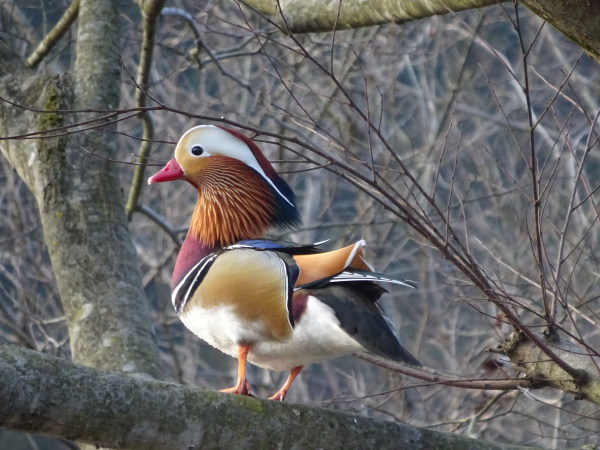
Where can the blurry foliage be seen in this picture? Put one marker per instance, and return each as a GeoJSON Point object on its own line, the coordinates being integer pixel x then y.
{"type": "Point", "coordinates": [442, 93]}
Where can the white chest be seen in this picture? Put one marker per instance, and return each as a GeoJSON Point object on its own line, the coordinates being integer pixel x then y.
{"type": "Point", "coordinates": [317, 336]}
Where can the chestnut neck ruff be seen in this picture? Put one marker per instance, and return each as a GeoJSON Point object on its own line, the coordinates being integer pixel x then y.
{"type": "Point", "coordinates": [234, 203]}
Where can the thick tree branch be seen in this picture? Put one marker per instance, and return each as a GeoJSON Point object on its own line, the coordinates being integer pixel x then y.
{"type": "Point", "coordinates": [51, 396]}
{"type": "Point", "coordinates": [316, 16]}
{"type": "Point", "coordinates": [577, 19]}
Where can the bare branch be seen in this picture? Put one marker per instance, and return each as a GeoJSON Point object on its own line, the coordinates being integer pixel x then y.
{"type": "Point", "coordinates": [150, 12]}
{"type": "Point", "coordinates": [55, 34]}
{"type": "Point", "coordinates": [433, 378]}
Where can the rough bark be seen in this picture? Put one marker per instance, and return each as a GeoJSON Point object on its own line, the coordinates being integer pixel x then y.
{"type": "Point", "coordinates": [79, 198]}
{"type": "Point", "coordinates": [536, 366]}
{"type": "Point", "coordinates": [47, 395]}
{"type": "Point", "coordinates": [576, 19]}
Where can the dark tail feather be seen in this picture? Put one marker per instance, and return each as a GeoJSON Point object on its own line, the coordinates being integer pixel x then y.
{"type": "Point", "coordinates": [354, 304]}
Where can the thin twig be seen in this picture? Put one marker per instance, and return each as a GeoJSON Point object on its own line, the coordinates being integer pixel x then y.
{"type": "Point", "coordinates": [571, 209]}
{"type": "Point", "coordinates": [200, 44]}
{"type": "Point", "coordinates": [447, 380]}
{"type": "Point", "coordinates": [150, 12]}
{"type": "Point", "coordinates": [533, 168]}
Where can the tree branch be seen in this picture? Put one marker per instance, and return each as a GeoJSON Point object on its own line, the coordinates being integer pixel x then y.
{"type": "Point", "coordinates": [150, 12]}
{"type": "Point", "coordinates": [316, 16]}
{"type": "Point", "coordinates": [51, 396]}
{"type": "Point", "coordinates": [575, 19]}
{"type": "Point", "coordinates": [578, 20]}
{"type": "Point", "coordinates": [57, 32]}
{"type": "Point", "coordinates": [530, 359]}
{"type": "Point", "coordinates": [446, 380]}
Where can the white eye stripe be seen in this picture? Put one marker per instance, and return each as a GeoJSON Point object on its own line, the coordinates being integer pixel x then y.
{"type": "Point", "coordinates": [224, 143]}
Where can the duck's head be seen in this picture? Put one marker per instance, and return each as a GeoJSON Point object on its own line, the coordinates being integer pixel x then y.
{"type": "Point", "coordinates": [240, 195]}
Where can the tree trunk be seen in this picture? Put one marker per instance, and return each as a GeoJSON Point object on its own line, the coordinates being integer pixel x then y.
{"type": "Point", "coordinates": [79, 197]}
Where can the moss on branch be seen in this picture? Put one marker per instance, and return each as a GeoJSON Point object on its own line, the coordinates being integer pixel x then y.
{"type": "Point", "coordinates": [47, 395]}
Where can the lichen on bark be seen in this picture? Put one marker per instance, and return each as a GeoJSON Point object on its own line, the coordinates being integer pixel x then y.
{"type": "Point", "coordinates": [543, 372]}
{"type": "Point", "coordinates": [79, 197]}
{"type": "Point", "coordinates": [61, 399]}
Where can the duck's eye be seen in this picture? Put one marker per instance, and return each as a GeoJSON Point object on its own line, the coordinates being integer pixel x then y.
{"type": "Point", "coordinates": [197, 150]}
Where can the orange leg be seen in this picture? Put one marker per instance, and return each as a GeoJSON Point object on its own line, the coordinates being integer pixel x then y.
{"type": "Point", "coordinates": [242, 387]}
{"type": "Point", "coordinates": [281, 393]}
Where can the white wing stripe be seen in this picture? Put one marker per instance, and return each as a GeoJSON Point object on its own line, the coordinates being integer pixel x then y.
{"type": "Point", "coordinates": [197, 271]}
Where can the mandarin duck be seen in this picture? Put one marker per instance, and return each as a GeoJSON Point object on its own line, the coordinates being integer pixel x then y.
{"type": "Point", "coordinates": [277, 305]}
